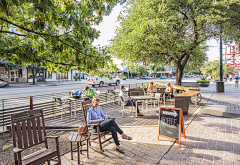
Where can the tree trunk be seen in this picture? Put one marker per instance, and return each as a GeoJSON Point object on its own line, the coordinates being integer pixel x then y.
{"type": "Point", "coordinates": [179, 76]}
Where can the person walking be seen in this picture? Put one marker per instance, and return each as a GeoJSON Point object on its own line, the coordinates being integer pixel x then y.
{"type": "Point", "coordinates": [230, 77]}
{"type": "Point", "coordinates": [236, 80]}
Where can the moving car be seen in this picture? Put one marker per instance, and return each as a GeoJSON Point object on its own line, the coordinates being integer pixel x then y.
{"type": "Point", "coordinates": [96, 80]}
{"type": "Point", "coordinates": [146, 77]}
{"type": "Point", "coordinates": [163, 77]}
{"type": "Point", "coordinates": [173, 77]}
{"type": "Point", "coordinates": [3, 83]}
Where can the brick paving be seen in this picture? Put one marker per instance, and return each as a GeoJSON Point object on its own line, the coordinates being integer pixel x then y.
{"type": "Point", "coordinates": [115, 111]}
{"type": "Point", "coordinates": [210, 139]}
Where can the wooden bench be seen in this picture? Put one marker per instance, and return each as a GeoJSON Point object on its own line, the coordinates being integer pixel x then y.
{"type": "Point", "coordinates": [182, 100]}
{"type": "Point", "coordinates": [28, 130]}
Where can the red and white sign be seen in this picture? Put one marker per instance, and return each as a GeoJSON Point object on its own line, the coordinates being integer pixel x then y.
{"type": "Point", "coordinates": [235, 62]}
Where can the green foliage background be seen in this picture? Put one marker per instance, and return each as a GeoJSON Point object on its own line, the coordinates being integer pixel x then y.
{"type": "Point", "coordinates": [36, 38]}
{"type": "Point", "coordinates": [174, 31]}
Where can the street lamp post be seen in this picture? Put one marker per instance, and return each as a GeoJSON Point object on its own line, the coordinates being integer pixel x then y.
{"type": "Point", "coordinates": [225, 60]}
{"type": "Point", "coordinates": [220, 84]}
{"type": "Point", "coordinates": [221, 71]}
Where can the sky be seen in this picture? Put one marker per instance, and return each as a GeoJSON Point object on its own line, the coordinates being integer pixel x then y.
{"type": "Point", "coordinates": [107, 27]}
{"type": "Point", "coordinates": [110, 23]}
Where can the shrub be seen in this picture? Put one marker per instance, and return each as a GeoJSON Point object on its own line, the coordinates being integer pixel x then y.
{"type": "Point", "coordinates": [124, 77]}
{"type": "Point", "coordinates": [203, 81]}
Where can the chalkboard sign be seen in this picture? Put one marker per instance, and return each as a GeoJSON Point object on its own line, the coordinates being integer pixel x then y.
{"type": "Point", "coordinates": [171, 124]}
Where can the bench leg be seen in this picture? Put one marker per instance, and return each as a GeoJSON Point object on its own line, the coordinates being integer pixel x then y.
{"type": "Point", "coordinates": [71, 152]}
{"type": "Point", "coordinates": [87, 149]}
{"type": "Point", "coordinates": [78, 154]}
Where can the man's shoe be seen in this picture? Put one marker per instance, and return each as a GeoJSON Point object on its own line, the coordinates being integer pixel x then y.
{"type": "Point", "coordinates": [140, 114]}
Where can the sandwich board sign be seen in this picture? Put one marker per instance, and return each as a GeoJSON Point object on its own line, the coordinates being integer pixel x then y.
{"type": "Point", "coordinates": [171, 124]}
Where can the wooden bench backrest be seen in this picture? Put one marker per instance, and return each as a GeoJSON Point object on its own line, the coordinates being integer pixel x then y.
{"type": "Point", "coordinates": [30, 129]}
{"type": "Point", "coordinates": [161, 90]}
{"type": "Point", "coordinates": [134, 93]}
{"type": "Point", "coordinates": [141, 91]}
{"type": "Point", "coordinates": [86, 105]}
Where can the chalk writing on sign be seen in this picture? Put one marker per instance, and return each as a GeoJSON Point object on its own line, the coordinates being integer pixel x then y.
{"type": "Point", "coordinates": [168, 120]}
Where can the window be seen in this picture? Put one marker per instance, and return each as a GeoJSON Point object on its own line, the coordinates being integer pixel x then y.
{"type": "Point", "coordinates": [30, 75]}
{"type": "Point", "coordinates": [49, 74]}
{"type": "Point", "coordinates": [4, 72]}
{"type": "Point", "coordinates": [62, 76]}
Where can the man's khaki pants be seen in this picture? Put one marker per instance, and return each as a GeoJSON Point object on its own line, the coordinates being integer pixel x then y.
{"type": "Point", "coordinates": [236, 83]}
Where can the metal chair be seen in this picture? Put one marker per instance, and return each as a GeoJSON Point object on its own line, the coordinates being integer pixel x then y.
{"type": "Point", "coordinates": [158, 97]}
{"type": "Point", "coordinates": [122, 103]}
{"type": "Point", "coordinates": [110, 96]}
{"type": "Point", "coordinates": [98, 93]}
{"type": "Point", "coordinates": [61, 105]}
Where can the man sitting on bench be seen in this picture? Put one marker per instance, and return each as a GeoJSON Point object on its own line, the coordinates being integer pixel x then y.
{"type": "Point", "coordinates": [128, 102]}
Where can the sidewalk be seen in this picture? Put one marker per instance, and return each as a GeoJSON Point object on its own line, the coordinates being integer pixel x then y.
{"type": "Point", "coordinates": [210, 139]}
{"type": "Point", "coordinates": [49, 83]}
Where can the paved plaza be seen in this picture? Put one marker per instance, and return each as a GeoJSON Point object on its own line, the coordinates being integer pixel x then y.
{"type": "Point", "coordinates": [210, 139]}
{"type": "Point", "coordinates": [212, 134]}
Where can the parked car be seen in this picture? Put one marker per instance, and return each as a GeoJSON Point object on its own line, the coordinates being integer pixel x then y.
{"type": "Point", "coordinates": [3, 83]}
{"type": "Point", "coordinates": [146, 77]}
{"type": "Point", "coordinates": [173, 77]}
{"type": "Point", "coordinates": [163, 77]}
{"type": "Point", "coordinates": [96, 80]}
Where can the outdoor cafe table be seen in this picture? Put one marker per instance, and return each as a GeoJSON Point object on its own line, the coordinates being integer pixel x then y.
{"type": "Point", "coordinates": [144, 97]}
{"type": "Point", "coordinates": [75, 101]}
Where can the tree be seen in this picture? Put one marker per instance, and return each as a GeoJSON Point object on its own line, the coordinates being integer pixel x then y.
{"type": "Point", "coordinates": [213, 68]}
{"type": "Point", "coordinates": [139, 69]}
{"type": "Point", "coordinates": [173, 32]}
{"type": "Point", "coordinates": [36, 39]}
{"type": "Point", "coordinates": [156, 67]}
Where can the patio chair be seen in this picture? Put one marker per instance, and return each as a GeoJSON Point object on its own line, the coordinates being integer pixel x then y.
{"type": "Point", "coordinates": [168, 96]}
{"type": "Point", "coordinates": [122, 103]}
{"type": "Point", "coordinates": [61, 105]}
{"type": "Point", "coordinates": [158, 97]}
{"type": "Point", "coordinates": [28, 130]}
{"type": "Point", "coordinates": [95, 137]}
{"type": "Point", "coordinates": [110, 96]}
{"type": "Point", "coordinates": [98, 93]}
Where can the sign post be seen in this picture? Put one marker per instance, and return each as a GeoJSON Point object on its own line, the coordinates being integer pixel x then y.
{"type": "Point", "coordinates": [171, 124]}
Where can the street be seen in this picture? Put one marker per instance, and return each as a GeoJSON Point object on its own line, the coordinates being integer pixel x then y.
{"type": "Point", "coordinates": [12, 92]}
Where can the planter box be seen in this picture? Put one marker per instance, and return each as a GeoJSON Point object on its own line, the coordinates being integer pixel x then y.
{"type": "Point", "coordinates": [203, 84]}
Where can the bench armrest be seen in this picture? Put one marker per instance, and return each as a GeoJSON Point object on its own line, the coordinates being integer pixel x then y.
{"type": "Point", "coordinates": [52, 136]}
{"type": "Point", "coordinates": [17, 150]}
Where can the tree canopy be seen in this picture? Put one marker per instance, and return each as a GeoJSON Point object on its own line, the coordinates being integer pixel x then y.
{"type": "Point", "coordinates": [139, 69]}
{"type": "Point", "coordinates": [36, 38]}
{"type": "Point", "coordinates": [174, 31]}
{"type": "Point", "coordinates": [156, 67]}
{"type": "Point", "coordinates": [213, 68]}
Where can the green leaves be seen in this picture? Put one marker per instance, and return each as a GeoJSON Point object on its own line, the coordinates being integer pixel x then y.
{"type": "Point", "coordinates": [173, 32]}
{"type": "Point", "coordinates": [53, 33]}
